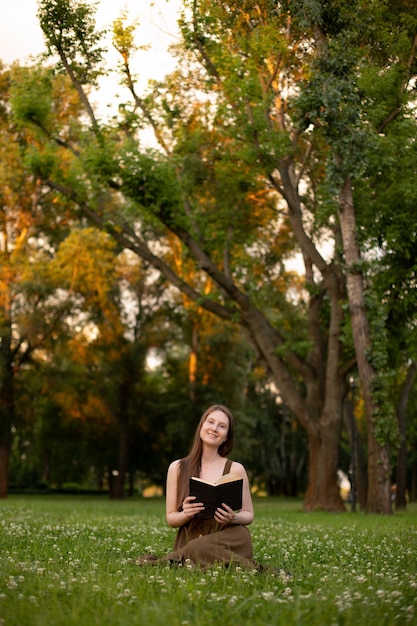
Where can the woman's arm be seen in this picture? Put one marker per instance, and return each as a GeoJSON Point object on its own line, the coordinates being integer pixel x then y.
{"type": "Point", "coordinates": [245, 516]}
{"type": "Point", "coordinates": [174, 517]}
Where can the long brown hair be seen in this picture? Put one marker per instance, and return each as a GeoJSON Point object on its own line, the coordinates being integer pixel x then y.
{"type": "Point", "coordinates": [190, 465]}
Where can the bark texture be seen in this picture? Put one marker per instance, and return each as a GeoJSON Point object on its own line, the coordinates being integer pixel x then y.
{"type": "Point", "coordinates": [379, 487]}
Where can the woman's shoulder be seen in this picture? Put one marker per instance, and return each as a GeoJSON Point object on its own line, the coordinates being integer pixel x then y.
{"type": "Point", "coordinates": [174, 465]}
{"type": "Point", "coordinates": [237, 468]}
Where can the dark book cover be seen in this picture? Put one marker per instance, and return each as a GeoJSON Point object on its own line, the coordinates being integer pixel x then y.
{"type": "Point", "coordinates": [213, 495]}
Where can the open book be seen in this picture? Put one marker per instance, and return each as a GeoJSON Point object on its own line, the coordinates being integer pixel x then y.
{"type": "Point", "coordinates": [227, 489]}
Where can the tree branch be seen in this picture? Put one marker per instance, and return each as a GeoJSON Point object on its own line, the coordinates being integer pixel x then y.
{"type": "Point", "coordinates": [127, 237]}
{"type": "Point", "coordinates": [395, 112]}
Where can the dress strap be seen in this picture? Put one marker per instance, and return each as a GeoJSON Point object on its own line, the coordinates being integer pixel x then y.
{"type": "Point", "coordinates": [227, 466]}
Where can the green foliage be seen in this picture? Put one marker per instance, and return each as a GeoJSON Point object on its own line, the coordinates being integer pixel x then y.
{"type": "Point", "coordinates": [41, 163]}
{"type": "Point", "coordinates": [388, 230]}
{"type": "Point", "coordinates": [69, 29]}
{"type": "Point", "coordinates": [100, 157]}
{"type": "Point", "coordinates": [31, 97]}
{"type": "Point", "coordinates": [151, 181]}
{"type": "Point", "coordinates": [330, 100]}
{"type": "Point", "coordinates": [353, 80]}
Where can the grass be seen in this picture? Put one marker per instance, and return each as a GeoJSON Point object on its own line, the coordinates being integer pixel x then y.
{"type": "Point", "coordinates": [66, 561]}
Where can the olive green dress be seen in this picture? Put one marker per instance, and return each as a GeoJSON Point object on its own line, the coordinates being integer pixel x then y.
{"type": "Point", "coordinates": [205, 541]}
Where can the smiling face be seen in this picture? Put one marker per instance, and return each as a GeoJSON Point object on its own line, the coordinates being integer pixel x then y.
{"type": "Point", "coordinates": [215, 428]}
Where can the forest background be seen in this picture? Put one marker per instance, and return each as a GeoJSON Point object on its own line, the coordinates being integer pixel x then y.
{"type": "Point", "coordinates": [140, 284]}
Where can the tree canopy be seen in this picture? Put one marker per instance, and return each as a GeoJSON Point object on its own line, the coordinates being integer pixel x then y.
{"type": "Point", "coordinates": [287, 130]}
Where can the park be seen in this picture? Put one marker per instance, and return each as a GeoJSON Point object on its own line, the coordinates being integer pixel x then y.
{"type": "Point", "coordinates": [238, 232]}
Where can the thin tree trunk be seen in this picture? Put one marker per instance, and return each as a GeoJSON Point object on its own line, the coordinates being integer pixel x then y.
{"type": "Point", "coordinates": [7, 406]}
{"type": "Point", "coordinates": [125, 391]}
{"type": "Point", "coordinates": [123, 423]}
{"type": "Point", "coordinates": [4, 467]}
{"type": "Point", "coordinates": [401, 491]}
{"type": "Point", "coordinates": [119, 484]}
{"type": "Point", "coordinates": [192, 367]}
{"type": "Point", "coordinates": [379, 491]}
{"type": "Point", "coordinates": [359, 462]}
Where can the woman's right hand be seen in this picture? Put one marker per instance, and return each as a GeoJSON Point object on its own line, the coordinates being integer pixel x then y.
{"type": "Point", "coordinates": [191, 508]}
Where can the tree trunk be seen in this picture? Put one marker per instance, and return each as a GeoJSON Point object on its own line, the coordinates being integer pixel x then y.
{"type": "Point", "coordinates": [192, 371]}
{"type": "Point", "coordinates": [323, 492]}
{"type": "Point", "coordinates": [320, 411]}
{"type": "Point", "coordinates": [324, 428]}
{"type": "Point", "coordinates": [119, 483]}
{"type": "Point", "coordinates": [7, 406]}
{"type": "Point", "coordinates": [360, 482]}
{"type": "Point", "coordinates": [4, 467]}
{"type": "Point", "coordinates": [296, 462]}
{"type": "Point", "coordinates": [379, 491]}
{"type": "Point", "coordinates": [401, 491]}
{"type": "Point", "coordinates": [379, 485]}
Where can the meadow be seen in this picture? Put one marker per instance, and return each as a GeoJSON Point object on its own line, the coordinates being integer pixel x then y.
{"type": "Point", "coordinates": [68, 561]}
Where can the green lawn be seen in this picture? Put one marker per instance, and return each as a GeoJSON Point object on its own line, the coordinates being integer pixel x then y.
{"type": "Point", "coordinates": [66, 560]}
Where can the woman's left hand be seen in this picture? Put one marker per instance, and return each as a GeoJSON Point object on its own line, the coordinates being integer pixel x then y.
{"type": "Point", "coordinates": [224, 515]}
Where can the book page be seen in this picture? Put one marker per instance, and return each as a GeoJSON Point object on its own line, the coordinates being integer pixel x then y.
{"type": "Point", "coordinates": [226, 478]}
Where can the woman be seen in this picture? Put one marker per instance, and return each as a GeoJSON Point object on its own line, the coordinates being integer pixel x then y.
{"type": "Point", "coordinates": [225, 538]}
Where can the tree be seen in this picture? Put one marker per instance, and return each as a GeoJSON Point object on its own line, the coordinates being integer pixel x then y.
{"type": "Point", "coordinates": [336, 74]}
{"type": "Point", "coordinates": [29, 316]}
{"type": "Point", "coordinates": [387, 224]}
{"type": "Point", "coordinates": [264, 139]}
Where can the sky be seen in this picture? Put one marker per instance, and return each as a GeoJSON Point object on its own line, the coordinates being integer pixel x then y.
{"type": "Point", "coordinates": [21, 37]}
